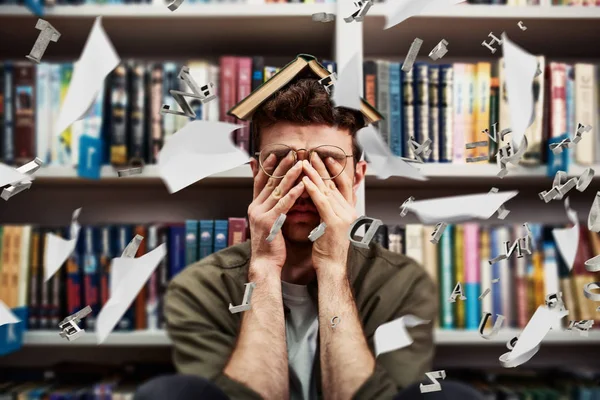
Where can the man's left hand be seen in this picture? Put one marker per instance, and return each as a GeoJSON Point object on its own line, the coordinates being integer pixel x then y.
{"type": "Point", "coordinates": [333, 199]}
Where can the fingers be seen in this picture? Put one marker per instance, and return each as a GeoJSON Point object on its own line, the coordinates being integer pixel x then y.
{"type": "Point", "coordinates": [277, 170]}
{"type": "Point", "coordinates": [286, 202]}
{"type": "Point", "coordinates": [284, 186]}
{"type": "Point", "coordinates": [261, 178]}
{"type": "Point", "coordinates": [342, 181]}
{"type": "Point", "coordinates": [320, 200]}
{"type": "Point", "coordinates": [314, 176]}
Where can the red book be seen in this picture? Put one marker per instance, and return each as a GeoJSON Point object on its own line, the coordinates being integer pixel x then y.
{"type": "Point", "coordinates": [237, 231]}
{"type": "Point", "coordinates": [227, 78]}
{"type": "Point", "coordinates": [140, 300]}
{"type": "Point", "coordinates": [24, 101]}
{"type": "Point", "coordinates": [244, 87]}
{"type": "Point", "coordinates": [558, 99]}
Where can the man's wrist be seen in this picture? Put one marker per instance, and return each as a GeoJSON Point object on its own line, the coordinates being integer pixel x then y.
{"type": "Point", "coordinates": [263, 269]}
{"type": "Point", "coordinates": [334, 273]}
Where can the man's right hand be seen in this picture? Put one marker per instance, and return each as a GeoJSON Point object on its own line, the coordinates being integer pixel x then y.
{"type": "Point", "coordinates": [272, 197]}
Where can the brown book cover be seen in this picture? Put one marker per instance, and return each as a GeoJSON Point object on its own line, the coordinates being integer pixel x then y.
{"type": "Point", "coordinates": [140, 300]}
{"type": "Point", "coordinates": [156, 126]}
{"type": "Point", "coordinates": [25, 104]}
{"type": "Point", "coordinates": [237, 231]}
{"type": "Point", "coordinates": [228, 79]}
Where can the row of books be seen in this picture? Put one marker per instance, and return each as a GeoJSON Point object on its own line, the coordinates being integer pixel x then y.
{"type": "Point", "coordinates": [84, 279]}
{"type": "Point", "coordinates": [462, 255]}
{"type": "Point", "coordinates": [452, 104]}
{"type": "Point", "coordinates": [435, 102]}
{"type": "Point", "coordinates": [538, 2]}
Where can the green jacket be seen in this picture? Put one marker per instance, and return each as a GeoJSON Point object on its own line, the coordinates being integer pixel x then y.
{"type": "Point", "coordinates": [386, 286]}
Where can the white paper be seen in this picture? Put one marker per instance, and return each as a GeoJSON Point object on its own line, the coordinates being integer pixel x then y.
{"type": "Point", "coordinates": [459, 208]}
{"type": "Point", "coordinates": [133, 273]}
{"type": "Point", "coordinates": [398, 10]}
{"type": "Point", "coordinates": [10, 175]}
{"type": "Point", "coordinates": [567, 239]}
{"type": "Point", "coordinates": [97, 60]}
{"type": "Point", "coordinates": [199, 149]}
{"type": "Point", "coordinates": [381, 158]}
{"type": "Point", "coordinates": [59, 249]}
{"type": "Point", "coordinates": [346, 92]}
{"type": "Point", "coordinates": [531, 338]}
{"type": "Point", "coordinates": [6, 315]}
{"type": "Point", "coordinates": [393, 335]}
{"type": "Point", "coordinates": [520, 67]}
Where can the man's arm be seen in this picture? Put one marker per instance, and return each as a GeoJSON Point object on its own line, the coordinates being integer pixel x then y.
{"type": "Point", "coordinates": [346, 360]}
{"type": "Point", "coordinates": [260, 357]}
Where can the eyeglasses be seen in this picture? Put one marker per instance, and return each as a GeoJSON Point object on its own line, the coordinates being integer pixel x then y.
{"type": "Point", "coordinates": [277, 159]}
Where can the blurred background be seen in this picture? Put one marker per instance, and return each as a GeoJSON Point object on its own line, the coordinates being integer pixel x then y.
{"type": "Point", "coordinates": [237, 46]}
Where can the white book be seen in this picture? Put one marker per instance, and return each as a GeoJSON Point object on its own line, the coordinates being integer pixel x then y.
{"type": "Point", "coordinates": [213, 105]}
{"type": "Point", "coordinates": [23, 283]}
{"type": "Point", "coordinates": [585, 112]}
{"type": "Point", "coordinates": [485, 276]}
{"type": "Point", "coordinates": [506, 281]}
{"type": "Point", "coordinates": [55, 110]}
{"type": "Point", "coordinates": [414, 242]}
{"type": "Point", "coordinates": [430, 253]}
{"type": "Point", "coordinates": [383, 98]}
{"type": "Point", "coordinates": [43, 123]}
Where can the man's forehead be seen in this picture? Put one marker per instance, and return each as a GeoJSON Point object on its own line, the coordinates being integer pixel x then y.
{"type": "Point", "coordinates": [290, 134]}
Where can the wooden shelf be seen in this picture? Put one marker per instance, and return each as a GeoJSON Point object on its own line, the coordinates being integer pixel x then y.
{"type": "Point", "coordinates": [442, 338]}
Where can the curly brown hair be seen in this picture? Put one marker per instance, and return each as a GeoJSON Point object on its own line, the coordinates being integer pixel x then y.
{"type": "Point", "coordinates": [305, 101]}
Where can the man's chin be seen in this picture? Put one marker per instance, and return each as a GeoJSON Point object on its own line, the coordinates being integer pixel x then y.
{"type": "Point", "coordinates": [298, 232]}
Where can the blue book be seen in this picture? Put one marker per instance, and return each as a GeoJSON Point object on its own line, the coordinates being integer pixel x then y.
{"type": "Point", "coordinates": [8, 145]}
{"type": "Point", "coordinates": [176, 249]}
{"type": "Point", "coordinates": [330, 66]}
{"type": "Point", "coordinates": [445, 102]}
{"type": "Point", "coordinates": [396, 143]}
{"type": "Point", "coordinates": [91, 274]}
{"type": "Point", "coordinates": [123, 237]}
{"type": "Point", "coordinates": [557, 162]}
{"type": "Point", "coordinates": [207, 228]}
{"type": "Point", "coordinates": [221, 231]}
{"type": "Point", "coordinates": [446, 273]}
{"type": "Point", "coordinates": [191, 241]}
{"type": "Point", "coordinates": [496, 248]}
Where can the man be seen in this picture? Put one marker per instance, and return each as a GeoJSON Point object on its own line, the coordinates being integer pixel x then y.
{"type": "Point", "coordinates": [315, 305]}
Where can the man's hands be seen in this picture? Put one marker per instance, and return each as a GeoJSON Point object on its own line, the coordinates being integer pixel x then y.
{"type": "Point", "coordinates": [333, 199]}
{"type": "Point", "coordinates": [272, 197]}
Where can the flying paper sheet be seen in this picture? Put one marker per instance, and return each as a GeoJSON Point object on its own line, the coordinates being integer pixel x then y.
{"type": "Point", "coordinates": [9, 175]}
{"type": "Point", "coordinates": [134, 273]}
{"type": "Point", "coordinates": [399, 10]}
{"type": "Point", "coordinates": [6, 315]}
{"type": "Point", "coordinates": [520, 69]}
{"type": "Point", "coordinates": [533, 334]}
{"type": "Point", "coordinates": [567, 239]}
{"type": "Point", "coordinates": [393, 335]}
{"type": "Point", "coordinates": [459, 208]}
{"type": "Point", "coordinates": [97, 60]}
{"type": "Point", "coordinates": [59, 249]}
{"type": "Point", "coordinates": [346, 92]}
{"type": "Point", "coordinates": [381, 158]}
{"type": "Point", "coordinates": [199, 149]}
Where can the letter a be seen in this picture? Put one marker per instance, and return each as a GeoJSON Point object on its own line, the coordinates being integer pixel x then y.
{"type": "Point", "coordinates": [456, 292]}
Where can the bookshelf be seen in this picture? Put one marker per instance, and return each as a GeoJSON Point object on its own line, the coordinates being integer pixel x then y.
{"type": "Point", "coordinates": [281, 31]}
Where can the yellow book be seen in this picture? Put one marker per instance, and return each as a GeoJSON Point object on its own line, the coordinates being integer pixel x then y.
{"type": "Point", "coordinates": [539, 297]}
{"type": "Point", "coordinates": [14, 263]}
{"type": "Point", "coordinates": [459, 267]}
{"type": "Point", "coordinates": [469, 116]}
{"type": "Point", "coordinates": [482, 105]}
{"type": "Point", "coordinates": [7, 238]}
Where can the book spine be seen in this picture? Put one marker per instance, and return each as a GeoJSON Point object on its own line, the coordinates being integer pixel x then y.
{"type": "Point", "coordinates": [597, 117]}
{"type": "Point", "coordinates": [170, 82]}
{"type": "Point", "coordinates": [269, 72]}
{"type": "Point", "coordinates": [58, 299]}
{"type": "Point", "coordinates": [55, 104]}
{"type": "Point", "coordinates": [163, 275]}
{"type": "Point", "coordinates": [65, 73]}
{"type": "Point", "coordinates": [434, 111]}
{"type": "Point", "coordinates": [585, 107]}
{"type": "Point", "coordinates": [471, 283]}
{"type": "Point", "coordinates": [421, 90]}
{"type": "Point", "coordinates": [207, 228]}
{"type": "Point", "coordinates": [237, 231]}
{"type": "Point", "coordinates": [91, 283]}
{"type": "Point", "coordinates": [123, 237]}
{"type": "Point", "coordinates": [140, 300]}
{"type": "Point", "coordinates": [522, 308]}
{"type": "Point", "coordinates": [330, 66]}
{"type": "Point", "coordinates": [213, 107]}
{"type": "Point", "coordinates": [506, 279]}
{"type": "Point", "coordinates": [538, 268]}
{"type": "Point", "coordinates": [25, 105]}
{"type": "Point", "coordinates": [558, 111]}
{"type": "Point", "coordinates": [136, 132]}
{"type": "Point", "coordinates": [482, 105]}
{"type": "Point", "coordinates": [535, 134]}
{"type": "Point", "coordinates": [383, 98]}
{"type": "Point", "coordinates": [470, 134]}
{"type": "Point", "coordinates": [408, 109]}
{"type": "Point", "coordinates": [414, 242]}
{"type": "Point", "coordinates": [34, 281]}
{"type": "Point", "coordinates": [459, 270]}
{"type": "Point", "coordinates": [497, 249]}
{"type": "Point", "coordinates": [105, 261]}
{"type": "Point", "coordinates": [74, 282]}
{"type": "Point", "coordinates": [228, 97]}
{"type": "Point", "coordinates": [551, 283]}
{"type": "Point", "coordinates": [220, 237]}
{"type": "Point", "coordinates": [120, 100]}
{"type": "Point", "coordinates": [152, 285]}
{"type": "Point", "coordinates": [258, 65]}
{"type": "Point", "coordinates": [485, 272]}
{"type": "Point", "coordinates": [459, 100]}
{"type": "Point", "coordinates": [2, 108]}
{"type": "Point", "coordinates": [570, 96]}
{"type": "Point", "coordinates": [494, 116]}
{"type": "Point", "coordinates": [447, 281]}
{"type": "Point", "coordinates": [8, 143]}
{"type": "Point", "coordinates": [244, 87]}
{"type": "Point", "coordinates": [156, 129]}
{"type": "Point", "coordinates": [370, 84]}
{"type": "Point", "coordinates": [176, 247]}
{"type": "Point", "coordinates": [430, 251]}
{"type": "Point", "coordinates": [446, 102]}
{"type": "Point", "coordinates": [191, 242]}
{"type": "Point", "coordinates": [43, 123]}
{"type": "Point", "coordinates": [396, 143]}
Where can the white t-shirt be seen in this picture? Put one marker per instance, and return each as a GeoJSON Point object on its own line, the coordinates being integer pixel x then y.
{"type": "Point", "coordinates": [301, 329]}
